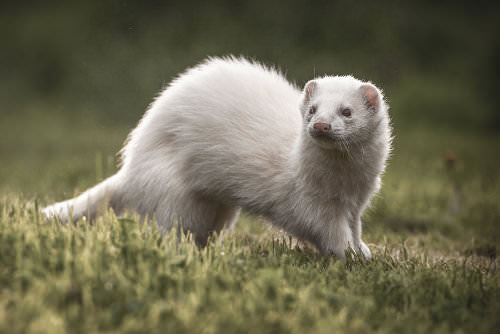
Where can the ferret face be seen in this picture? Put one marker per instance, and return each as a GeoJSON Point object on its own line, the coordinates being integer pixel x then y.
{"type": "Point", "coordinates": [339, 112]}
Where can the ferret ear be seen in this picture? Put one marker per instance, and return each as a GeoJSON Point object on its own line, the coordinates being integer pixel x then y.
{"type": "Point", "coordinates": [309, 89]}
{"type": "Point", "coordinates": [371, 96]}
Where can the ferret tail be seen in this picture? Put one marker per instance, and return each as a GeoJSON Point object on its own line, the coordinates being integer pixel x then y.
{"type": "Point", "coordinates": [103, 195]}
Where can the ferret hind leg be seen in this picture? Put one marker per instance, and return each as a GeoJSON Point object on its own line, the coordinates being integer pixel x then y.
{"type": "Point", "coordinates": [199, 216]}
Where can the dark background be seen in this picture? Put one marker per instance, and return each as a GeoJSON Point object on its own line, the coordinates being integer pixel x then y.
{"type": "Point", "coordinates": [437, 61]}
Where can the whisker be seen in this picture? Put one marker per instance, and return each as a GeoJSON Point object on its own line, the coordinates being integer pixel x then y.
{"type": "Point", "coordinates": [347, 148]}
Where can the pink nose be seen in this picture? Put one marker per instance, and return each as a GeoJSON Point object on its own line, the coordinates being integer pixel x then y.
{"type": "Point", "coordinates": [321, 127]}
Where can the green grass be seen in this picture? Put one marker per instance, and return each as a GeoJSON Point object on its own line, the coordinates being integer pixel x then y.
{"type": "Point", "coordinates": [433, 231]}
{"type": "Point", "coordinates": [118, 276]}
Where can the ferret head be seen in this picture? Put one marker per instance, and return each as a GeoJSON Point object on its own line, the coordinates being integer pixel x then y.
{"type": "Point", "coordinates": [341, 111]}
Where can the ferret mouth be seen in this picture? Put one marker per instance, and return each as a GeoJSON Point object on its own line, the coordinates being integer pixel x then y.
{"type": "Point", "coordinates": [329, 140]}
{"type": "Point", "coordinates": [324, 140]}
{"type": "Point", "coordinates": [324, 136]}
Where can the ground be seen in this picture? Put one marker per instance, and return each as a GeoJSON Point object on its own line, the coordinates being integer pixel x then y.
{"type": "Point", "coordinates": [433, 231]}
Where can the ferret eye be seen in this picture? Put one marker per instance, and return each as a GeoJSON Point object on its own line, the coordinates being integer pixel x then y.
{"type": "Point", "coordinates": [346, 112]}
{"type": "Point", "coordinates": [312, 110]}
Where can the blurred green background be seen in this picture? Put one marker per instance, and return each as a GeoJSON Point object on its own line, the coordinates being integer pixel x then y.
{"type": "Point", "coordinates": [75, 77]}
{"type": "Point", "coordinates": [437, 61]}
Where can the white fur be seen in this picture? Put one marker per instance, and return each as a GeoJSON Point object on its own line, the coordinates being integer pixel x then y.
{"type": "Point", "coordinates": [231, 134]}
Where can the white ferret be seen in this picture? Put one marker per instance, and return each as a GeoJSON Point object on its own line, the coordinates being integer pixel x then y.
{"type": "Point", "coordinates": [231, 134]}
